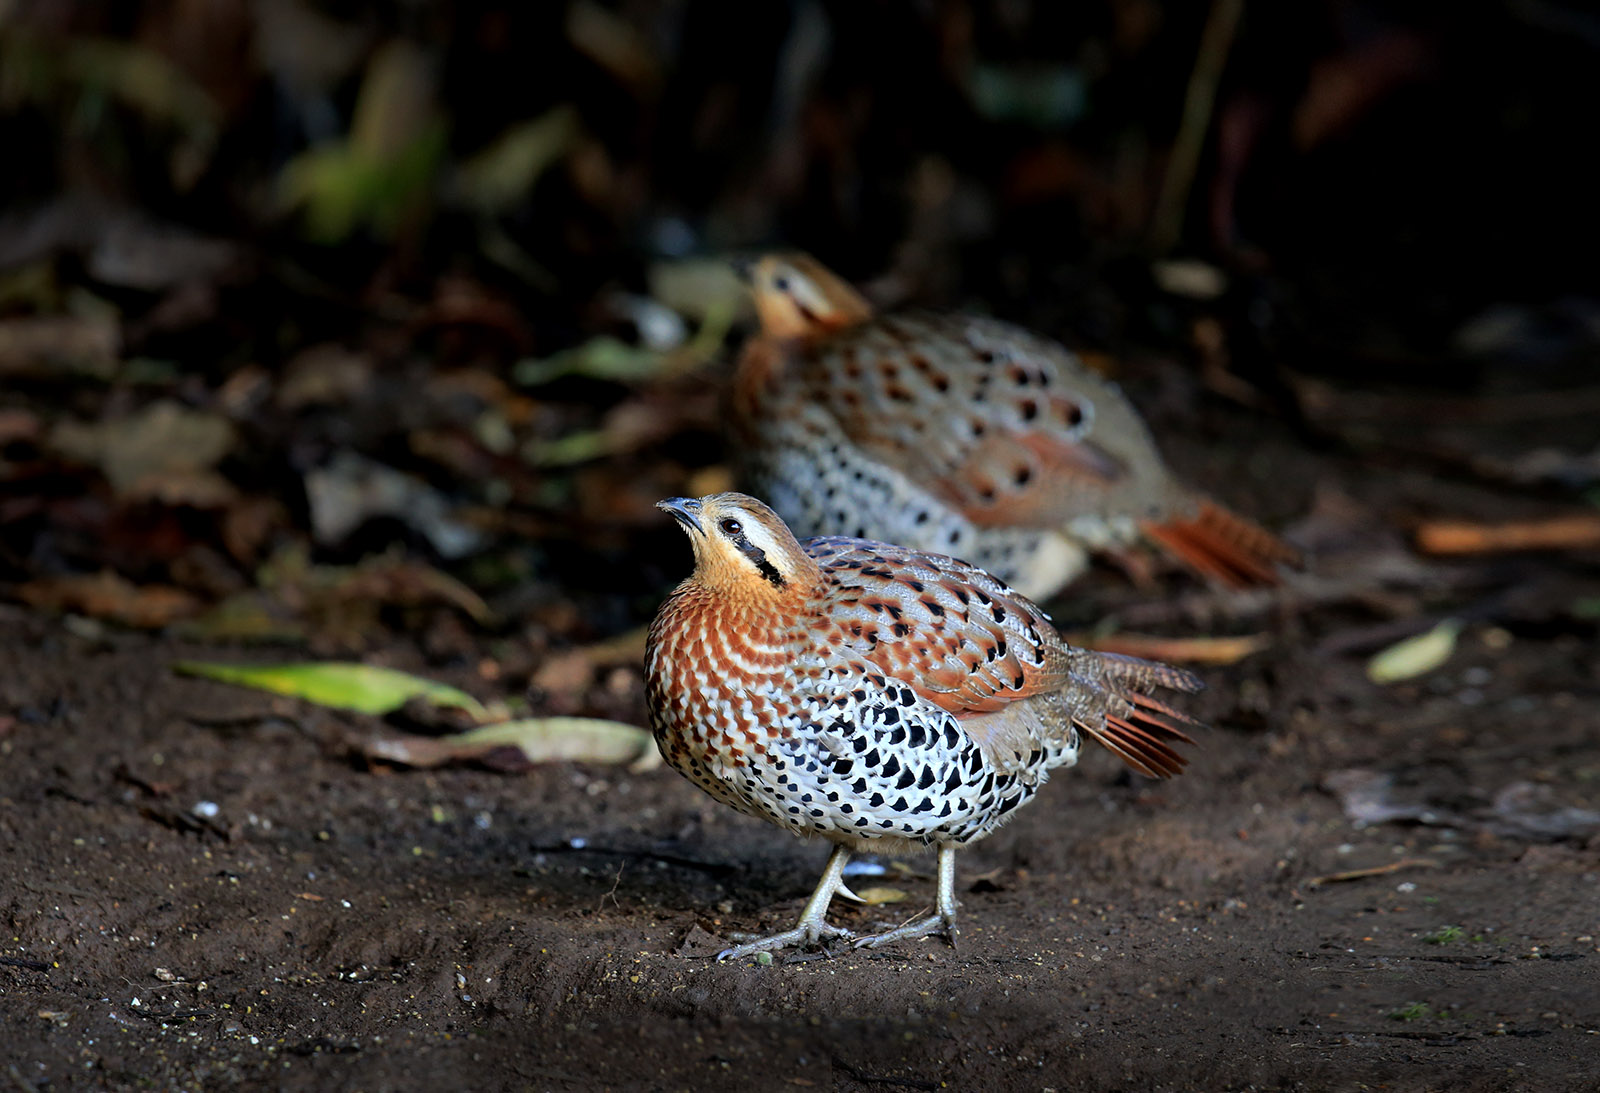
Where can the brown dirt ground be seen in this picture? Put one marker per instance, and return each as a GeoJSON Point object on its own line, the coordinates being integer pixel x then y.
{"type": "Point", "coordinates": [335, 927]}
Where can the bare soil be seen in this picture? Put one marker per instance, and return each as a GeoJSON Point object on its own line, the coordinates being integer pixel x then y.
{"type": "Point", "coordinates": [331, 926]}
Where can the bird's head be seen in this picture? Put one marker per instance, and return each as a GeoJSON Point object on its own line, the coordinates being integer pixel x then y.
{"type": "Point", "coordinates": [740, 545]}
{"type": "Point", "coordinates": [798, 297]}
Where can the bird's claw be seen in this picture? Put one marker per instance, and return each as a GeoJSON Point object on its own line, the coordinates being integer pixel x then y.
{"type": "Point", "coordinates": [912, 930]}
{"type": "Point", "coordinates": [800, 937]}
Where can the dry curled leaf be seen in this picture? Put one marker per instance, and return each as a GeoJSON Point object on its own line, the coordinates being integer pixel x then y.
{"type": "Point", "coordinates": [164, 450]}
{"type": "Point", "coordinates": [536, 740]}
{"type": "Point", "coordinates": [111, 596]}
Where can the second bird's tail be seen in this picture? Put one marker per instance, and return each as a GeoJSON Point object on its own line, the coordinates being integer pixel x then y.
{"type": "Point", "coordinates": [1223, 547]}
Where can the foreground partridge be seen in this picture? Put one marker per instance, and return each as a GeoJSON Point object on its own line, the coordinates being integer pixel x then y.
{"type": "Point", "coordinates": [960, 434]}
{"type": "Point", "coordinates": [877, 696]}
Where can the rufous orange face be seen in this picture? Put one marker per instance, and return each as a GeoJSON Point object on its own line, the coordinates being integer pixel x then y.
{"type": "Point", "coordinates": [739, 543]}
{"type": "Point", "coordinates": [797, 297]}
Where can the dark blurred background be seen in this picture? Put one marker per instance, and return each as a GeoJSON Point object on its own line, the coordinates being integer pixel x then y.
{"type": "Point", "coordinates": [283, 282]}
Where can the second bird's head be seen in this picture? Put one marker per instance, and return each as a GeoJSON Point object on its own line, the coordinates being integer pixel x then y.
{"type": "Point", "coordinates": [739, 543]}
{"type": "Point", "coordinates": [796, 296]}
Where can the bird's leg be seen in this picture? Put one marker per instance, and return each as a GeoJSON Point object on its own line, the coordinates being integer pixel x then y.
{"type": "Point", "coordinates": [943, 921]}
{"type": "Point", "coordinates": [813, 926]}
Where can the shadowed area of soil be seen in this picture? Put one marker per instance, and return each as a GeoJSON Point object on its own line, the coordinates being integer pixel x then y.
{"type": "Point", "coordinates": [330, 926]}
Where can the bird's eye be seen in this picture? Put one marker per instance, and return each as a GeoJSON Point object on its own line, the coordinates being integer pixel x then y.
{"type": "Point", "coordinates": [730, 526]}
{"type": "Point", "coordinates": [781, 283]}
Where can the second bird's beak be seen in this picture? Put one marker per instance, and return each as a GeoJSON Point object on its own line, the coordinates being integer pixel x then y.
{"type": "Point", "coordinates": [685, 510]}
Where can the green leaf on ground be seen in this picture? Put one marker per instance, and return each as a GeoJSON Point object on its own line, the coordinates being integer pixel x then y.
{"type": "Point", "coordinates": [602, 357]}
{"type": "Point", "coordinates": [364, 688]}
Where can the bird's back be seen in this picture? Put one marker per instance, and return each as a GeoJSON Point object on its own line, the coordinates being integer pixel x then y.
{"type": "Point", "coordinates": [1006, 427]}
{"type": "Point", "coordinates": [970, 645]}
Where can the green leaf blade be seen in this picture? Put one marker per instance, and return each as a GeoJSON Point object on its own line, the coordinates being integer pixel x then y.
{"type": "Point", "coordinates": [363, 688]}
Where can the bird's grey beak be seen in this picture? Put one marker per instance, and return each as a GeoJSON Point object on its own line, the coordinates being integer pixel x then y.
{"type": "Point", "coordinates": [685, 510]}
{"type": "Point", "coordinates": [744, 265]}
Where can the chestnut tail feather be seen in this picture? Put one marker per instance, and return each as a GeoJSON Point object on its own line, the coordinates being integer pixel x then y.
{"type": "Point", "coordinates": [1224, 548]}
{"type": "Point", "coordinates": [1142, 736]}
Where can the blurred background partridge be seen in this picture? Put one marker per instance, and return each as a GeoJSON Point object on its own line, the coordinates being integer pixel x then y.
{"type": "Point", "coordinates": [960, 434]}
{"type": "Point", "coordinates": [877, 696]}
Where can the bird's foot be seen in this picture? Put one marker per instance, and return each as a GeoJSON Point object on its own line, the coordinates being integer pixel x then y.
{"type": "Point", "coordinates": [805, 934]}
{"type": "Point", "coordinates": [933, 924]}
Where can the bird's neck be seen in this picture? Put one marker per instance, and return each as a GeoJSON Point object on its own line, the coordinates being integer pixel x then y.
{"type": "Point", "coordinates": [756, 629]}
{"type": "Point", "coordinates": [761, 365]}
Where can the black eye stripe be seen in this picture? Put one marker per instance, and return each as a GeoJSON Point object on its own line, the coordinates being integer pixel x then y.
{"type": "Point", "coordinates": [758, 558]}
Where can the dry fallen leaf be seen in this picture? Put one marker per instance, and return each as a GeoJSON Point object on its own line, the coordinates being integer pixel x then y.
{"type": "Point", "coordinates": [877, 896]}
{"type": "Point", "coordinates": [572, 669]}
{"type": "Point", "coordinates": [59, 343]}
{"type": "Point", "coordinates": [613, 43]}
{"type": "Point", "coordinates": [17, 424]}
{"type": "Point", "coordinates": [1437, 796]}
{"type": "Point", "coordinates": [1415, 656]}
{"type": "Point", "coordinates": [108, 595]}
{"type": "Point", "coordinates": [1580, 531]}
{"type": "Point", "coordinates": [1218, 651]}
{"type": "Point", "coordinates": [132, 251]}
{"type": "Point", "coordinates": [538, 740]}
{"type": "Point", "coordinates": [154, 451]}
{"type": "Point", "coordinates": [249, 523]}
{"type": "Point", "coordinates": [352, 489]}
{"type": "Point", "coordinates": [326, 374]}
{"type": "Point", "coordinates": [394, 579]}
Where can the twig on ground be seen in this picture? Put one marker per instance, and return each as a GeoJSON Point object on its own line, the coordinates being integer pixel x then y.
{"type": "Point", "coordinates": [1375, 871]}
{"type": "Point", "coordinates": [1576, 532]}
